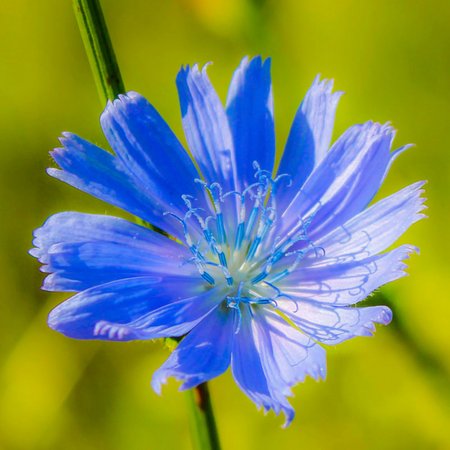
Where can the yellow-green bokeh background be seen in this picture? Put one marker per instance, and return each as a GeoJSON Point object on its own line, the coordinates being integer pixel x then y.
{"type": "Point", "coordinates": [391, 57]}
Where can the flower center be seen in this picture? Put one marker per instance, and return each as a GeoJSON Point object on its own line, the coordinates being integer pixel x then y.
{"type": "Point", "coordinates": [238, 246]}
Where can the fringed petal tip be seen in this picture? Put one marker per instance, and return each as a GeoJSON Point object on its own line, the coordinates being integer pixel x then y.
{"type": "Point", "coordinates": [54, 319]}
{"type": "Point", "coordinates": [379, 130]}
{"type": "Point", "coordinates": [258, 62]}
{"type": "Point", "coordinates": [65, 136]}
{"type": "Point", "coordinates": [63, 155]}
{"type": "Point", "coordinates": [122, 100]}
{"type": "Point", "coordinates": [378, 314]}
{"type": "Point", "coordinates": [317, 372]}
{"type": "Point", "coordinates": [371, 131]}
{"type": "Point", "coordinates": [35, 252]}
{"type": "Point", "coordinates": [157, 381]}
{"type": "Point", "coordinates": [385, 316]}
{"type": "Point", "coordinates": [401, 149]}
{"type": "Point", "coordinates": [194, 71]}
{"type": "Point", "coordinates": [71, 143]}
{"type": "Point", "coordinates": [421, 200]}
{"type": "Point", "coordinates": [405, 252]}
{"type": "Point", "coordinates": [38, 250]}
{"type": "Point", "coordinates": [324, 86]}
{"type": "Point", "coordinates": [55, 173]}
{"type": "Point", "coordinates": [282, 408]}
{"type": "Point", "coordinates": [161, 377]}
{"type": "Point", "coordinates": [272, 405]}
{"type": "Point", "coordinates": [289, 415]}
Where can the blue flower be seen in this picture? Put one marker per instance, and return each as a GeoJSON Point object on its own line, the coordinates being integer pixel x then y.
{"type": "Point", "coordinates": [256, 268]}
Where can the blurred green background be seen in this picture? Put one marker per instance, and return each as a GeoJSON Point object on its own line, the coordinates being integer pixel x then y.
{"type": "Point", "coordinates": [392, 58]}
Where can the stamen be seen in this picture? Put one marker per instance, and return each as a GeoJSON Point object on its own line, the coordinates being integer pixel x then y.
{"type": "Point", "coordinates": [260, 277]}
{"type": "Point", "coordinates": [216, 193]}
{"type": "Point", "coordinates": [236, 301]}
{"type": "Point", "coordinates": [251, 221]}
{"type": "Point", "coordinates": [239, 236]}
{"type": "Point", "coordinates": [279, 276]}
{"type": "Point", "coordinates": [283, 176]}
{"type": "Point", "coordinates": [228, 277]}
{"type": "Point", "coordinates": [300, 255]}
{"type": "Point", "coordinates": [207, 277]}
{"type": "Point", "coordinates": [265, 224]}
{"type": "Point", "coordinates": [198, 258]}
{"type": "Point", "coordinates": [241, 225]}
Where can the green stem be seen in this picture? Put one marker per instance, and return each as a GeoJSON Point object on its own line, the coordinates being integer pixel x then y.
{"type": "Point", "coordinates": [106, 72]}
{"type": "Point", "coordinates": [99, 49]}
{"type": "Point", "coordinates": [202, 423]}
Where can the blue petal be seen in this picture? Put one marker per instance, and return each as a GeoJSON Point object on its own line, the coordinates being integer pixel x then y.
{"type": "Point", "coordinates": [174, 319]}
{"type": "Point", "coordinates": [344, 182]}
{"type": "Point", "coordinates": [330, 324]}
{"type": "Point", "coordinates": [287, 355]}
{"type": "Point", "coordinates": [150, 152]}
{"type": "Point", "coordinates": [344, 281]}
{"type": "Point", "coordinates": [376, 228]}
{"type": "Point", "coordinates": [134, 308]}
{"type": "Point", "coordinates": [250, 113]}
{"type": "Point", "coordinates": [206, 127]}
{"type": "Point", "coordinates": [97, 172]}
{"type": "Point", "coordinates": [85, 250]}
{"type": "Point", "coordinates": [254, 374]}
{"type": "Point", "coordinates": [203, 354]}
{"type": "Point", "coordinates": [310, 136]}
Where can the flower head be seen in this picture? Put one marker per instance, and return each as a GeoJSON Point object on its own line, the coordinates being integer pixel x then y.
{"type": "Point", "coordinates": [256, 268]}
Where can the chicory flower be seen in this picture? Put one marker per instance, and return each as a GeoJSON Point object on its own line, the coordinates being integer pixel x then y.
{"type": "Point", "coordinates": [256, 268]}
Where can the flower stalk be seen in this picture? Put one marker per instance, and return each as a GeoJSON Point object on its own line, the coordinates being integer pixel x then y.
{"type": "Point", "coordinates": [201, 418]}
{"type": "Point", "coordinates": [100, 52]}
{"type": "Point", "coordinates": [106, 72]}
